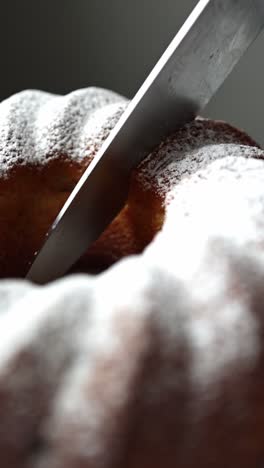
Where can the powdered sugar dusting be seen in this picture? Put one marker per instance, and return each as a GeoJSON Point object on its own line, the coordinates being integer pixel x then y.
{"type": "Point", "coordinates": [191, 149]}
{"type": "Point", "coordinates": [36, 126]}
{"type": "Point", "coordinates": [70, 371]}
{"type": "Point", "coordinates": [89, 365]}
{"type": "Point", "coordinates": [98, 127]}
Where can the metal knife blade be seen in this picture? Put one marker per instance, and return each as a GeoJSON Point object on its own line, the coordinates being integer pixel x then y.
{"type": "Point", "coordinates": [196, 63]}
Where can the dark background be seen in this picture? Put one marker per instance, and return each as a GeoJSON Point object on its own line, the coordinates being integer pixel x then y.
{"type": "Point", "coordinates": [61, 45]}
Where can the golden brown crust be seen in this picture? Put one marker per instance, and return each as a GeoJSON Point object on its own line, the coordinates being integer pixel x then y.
{"type": "Point", "coordinates": [32, 196]}
{"type": "Point", "coordinates": [143, 215]}
{"type": "Point", "coordinates": [46, 143]}
{"type": "Point", "coordinates": [167, 370]}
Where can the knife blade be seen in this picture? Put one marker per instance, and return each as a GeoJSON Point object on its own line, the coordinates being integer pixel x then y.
{"type": "Point", "coordinates": [195, 64]}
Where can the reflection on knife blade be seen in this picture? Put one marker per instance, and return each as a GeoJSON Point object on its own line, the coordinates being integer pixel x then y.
{"type": "Point", "coordinates": [195, 64]}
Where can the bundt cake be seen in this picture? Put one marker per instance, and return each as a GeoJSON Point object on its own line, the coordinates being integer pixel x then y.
{"type": "Point", "coordinates": [46, 143]}
{"type": "Point", "coordinates": [158, 360]}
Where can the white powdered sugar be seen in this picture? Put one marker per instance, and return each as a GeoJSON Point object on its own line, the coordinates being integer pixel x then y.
{"type": "Point", "coordinates": [98, 127]}
{"type": "Point", "coordinates": [135, 362]}
{"type": "Point", "coordinates": [36, 126]}
{"type": "Point", "coordinates": [225, 200]}
{"type": "Point", "coordinates": [189, 150]}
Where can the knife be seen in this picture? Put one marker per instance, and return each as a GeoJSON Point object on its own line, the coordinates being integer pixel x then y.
{"type": "Point", "coordinates": [195, 64]}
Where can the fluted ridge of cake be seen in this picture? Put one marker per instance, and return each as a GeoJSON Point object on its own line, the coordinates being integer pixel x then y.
{"type": "Point", "coordinates": [36, 126]}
